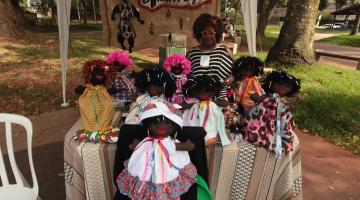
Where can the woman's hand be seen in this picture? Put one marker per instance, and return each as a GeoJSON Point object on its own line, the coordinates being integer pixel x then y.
{"type": "Point", "coordinates": [229, 80]}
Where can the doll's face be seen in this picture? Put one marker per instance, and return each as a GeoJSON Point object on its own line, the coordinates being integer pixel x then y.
{"type": "Point", "coordinates": [177, 70]}
{"type": "Point", "coordinates": [119, 67]}
{"type": "Point", "coordinates": [162, 127]}
{"type": "Point", "coordinates": [203, 94]}
{"type": "Point", "coordinates": [246, 72]}
{"type": "Point", "coordinates": [98, 77]}
{"type": "Point", "coordinates": [282, 88]}
{"type": "Point", "coordinates": [154, 90]}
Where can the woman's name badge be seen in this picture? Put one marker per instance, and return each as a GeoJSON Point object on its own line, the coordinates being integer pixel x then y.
{"type": "Point", "coordinates": [204, 60]}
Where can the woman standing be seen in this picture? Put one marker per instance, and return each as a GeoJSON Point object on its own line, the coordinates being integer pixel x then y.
{"type": "Point", "coordinates": [210, 57]}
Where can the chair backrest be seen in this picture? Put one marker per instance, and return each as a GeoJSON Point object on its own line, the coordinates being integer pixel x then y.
{"type": "Point", "coordinates": [8, 119]}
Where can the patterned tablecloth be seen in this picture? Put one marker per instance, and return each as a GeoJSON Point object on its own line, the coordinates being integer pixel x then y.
{"type": "Point", "coordinates": [89, 167]}
{"type": "Point", "coordinates": [237, 171]}
{"type": "Point", "coordinates": [243, 171]}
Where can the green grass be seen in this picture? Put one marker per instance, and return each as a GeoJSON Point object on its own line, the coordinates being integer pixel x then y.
{"type": "Point", "coordinates": [344, 40]}
{"type": "Point", "coordinates": [328, 103]}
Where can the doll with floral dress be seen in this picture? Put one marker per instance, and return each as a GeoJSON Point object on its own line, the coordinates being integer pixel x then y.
{"type": "Point", "coordinates": [270, 124]}
{"type": "Point", "coordinates": [179, 67]}
{"type": "Point", "coordinates": [160, 166]}
{"type": "Point", "coordinates": [204, 112]}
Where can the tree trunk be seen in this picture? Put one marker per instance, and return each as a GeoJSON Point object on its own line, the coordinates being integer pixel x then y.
{"type": "Point", "coordinates": [355, 29]}
{"type": "Point", "coordinates": [94, 9]}
{"type": "Point", "coordinates": [265, 9]}
{"type": "Point", "coordinates": [12, 21]}
{"type": "Point", "coordinates": [295, 44]}
{"type": "Point", "coordinates": [78, 10]}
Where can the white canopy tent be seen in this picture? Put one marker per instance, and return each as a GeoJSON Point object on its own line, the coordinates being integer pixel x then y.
{"type": "Point", "coordinates": [249, 10]}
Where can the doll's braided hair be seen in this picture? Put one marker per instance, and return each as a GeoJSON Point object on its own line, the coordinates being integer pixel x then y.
{"type": "Point", "coordinates": [155, 75]}
{"type": "Point", "coordinates": [93, 65]}
{"type": "Point", "coordinates": [202, 83]}
{"type": "Point", "coordinates": [253, 64]}
{"type": "Point", "coordinates": [281, 77]}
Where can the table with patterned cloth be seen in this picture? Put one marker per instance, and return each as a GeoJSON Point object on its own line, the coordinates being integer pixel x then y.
{"type": "Point", "coordinates": [243, 171]}
{"type": "Point", "coordinates": [89, 167]}
{"type": "Point", "coordinates": [236, 171]}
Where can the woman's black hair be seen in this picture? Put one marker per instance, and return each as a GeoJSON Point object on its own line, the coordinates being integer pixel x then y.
{"type": "Point", "coordinates": [254, 64]}
{"type": "Point", "coordinates": [201, 83]}
{"type": "Point", "coordinates": [155, 75]}
{"type": "Point", "coordinates": [281, 77]}
{"type": "Point", "coordinates": [205, 20]}
{"type": "Point", "coordinates": [146, 122]}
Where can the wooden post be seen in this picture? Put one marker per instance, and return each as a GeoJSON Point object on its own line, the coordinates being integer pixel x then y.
{"type": "Point", "coordinates": [358, 66]}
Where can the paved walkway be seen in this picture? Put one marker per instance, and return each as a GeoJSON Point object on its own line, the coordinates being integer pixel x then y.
{"type": "Point", "coordinates": [343, 50]}
{"type": "Point", "coordinates": [329, 172]}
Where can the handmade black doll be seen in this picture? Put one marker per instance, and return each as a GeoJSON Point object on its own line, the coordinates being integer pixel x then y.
{"type": "Point", "coordinates": [179, 67]}
{"type": "Point", "coordinates": [245, 72]}
{"type": "Point", "coordinates": [204, 112]}
{"type": "Point", "coordinates": [123, 64]}
{"type": "Point", "coordinates": [126, 30]}
{"type": "Point", "coordinates": [270, 124]}
{"type": "Point", "coordinates": [153, 82]}
{"type": "Point", "coordinates": [95, 104]}
{"type": "Point", "coordinates": [160, 166]}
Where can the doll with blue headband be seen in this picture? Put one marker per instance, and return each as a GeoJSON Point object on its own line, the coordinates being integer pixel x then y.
{"type": "Point", "coordinates": [270, 124]}
{"type": "Point", "coordinates": [204, 112]}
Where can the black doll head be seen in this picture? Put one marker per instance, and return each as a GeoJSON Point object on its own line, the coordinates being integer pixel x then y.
{"type": "Point", "coordinates": [161, 118]}
{"type": "Point", "coordinates": [177, 64]}
{"type": "Point", "coordinates": [177, 69]}
{"type": "Point", "coordinates": [98, 72]}
{"type": "Point", "coordinates": [155, 81]}
{"type": "Point", "coordinates": [247, 67]}
{"type": "Point", "coordinates": [160, 126]}
{"type": "Point", "coordinates": [118, 66]}
{"type": "Point", "coordinates": [120, 60]}
{"type": "Point", "coordinates": [202, 87]}
{"type": "Point", "coordinates": [281, 83]}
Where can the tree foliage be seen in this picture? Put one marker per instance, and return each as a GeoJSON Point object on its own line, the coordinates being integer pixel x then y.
{"type": "Point", "coordinates": [340, 3]}
{"type": "Point", "coordinates": [323, 5]}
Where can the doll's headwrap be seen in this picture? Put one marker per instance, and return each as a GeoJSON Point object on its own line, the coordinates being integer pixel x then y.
{"type": "Point", "coordinates": [122, 57]}
{"type": "Point", "coordinates": [89, 67]}
{"type": "Point", "coordinates": [176, 59]}
{"type": "Point", "coordinates": [158, 108]}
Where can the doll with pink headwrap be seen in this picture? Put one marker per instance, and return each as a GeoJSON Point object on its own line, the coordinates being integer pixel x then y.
{"type": "Point", "coordinates": [178, 66]}
{"type": "Point", "coordinates": [123, 64]}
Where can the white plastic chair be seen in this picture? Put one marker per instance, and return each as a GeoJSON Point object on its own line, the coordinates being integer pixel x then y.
{"type": "Point", "coordinates": [19, 189]}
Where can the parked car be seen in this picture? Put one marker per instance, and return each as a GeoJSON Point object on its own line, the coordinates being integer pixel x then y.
{"type": "Point", "coordinates": [334, 26]}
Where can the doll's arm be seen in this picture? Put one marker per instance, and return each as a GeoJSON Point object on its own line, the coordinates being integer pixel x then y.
{"type": "Point", "coordinates": [185, 146]}
{"type": "Point", "coordinates": [137, 14]}
{"type": "Point", "coordinates": [114, 90]}
{"type": "Point", "coordinates": [186, 106]}
{"type": "Point", "coordinates": [133, 145]}
{"type": "Point", "coordinates": [221, 102]}
{"type": "Point", "coordinates": [228, 81]}
{"type": "Point", "coordinates": [80, 89]}
{"type": "Point", "coordinates": [256, 98]}
{"type": "Point", "coordinates": [114, 12]}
